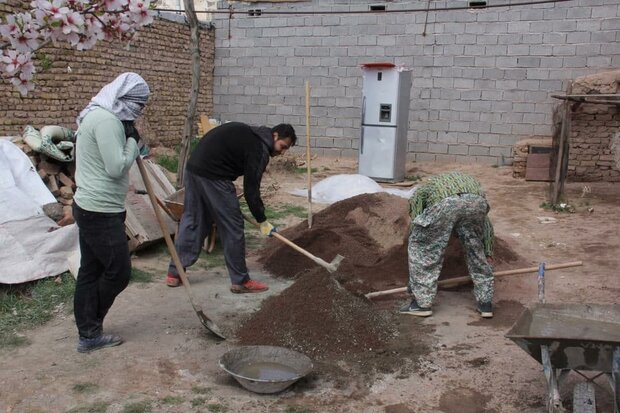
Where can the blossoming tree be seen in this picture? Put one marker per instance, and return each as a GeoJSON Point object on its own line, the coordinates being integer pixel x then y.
{"type": "Point", "coordinates": [80, 23]}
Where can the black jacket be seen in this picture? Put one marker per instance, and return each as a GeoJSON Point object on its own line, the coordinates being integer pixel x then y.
{"type": "Point", "coordinates": [231, 150]}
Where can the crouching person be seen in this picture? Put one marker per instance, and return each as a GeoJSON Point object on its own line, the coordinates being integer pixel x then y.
{"type": "Point", "coordinates": [449, 202]}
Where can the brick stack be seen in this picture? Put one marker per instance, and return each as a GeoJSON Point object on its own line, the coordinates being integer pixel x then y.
{"type": "Point", "coordinates": [59, 179]}
{"type": "Point", "coordinates": [593, 128]}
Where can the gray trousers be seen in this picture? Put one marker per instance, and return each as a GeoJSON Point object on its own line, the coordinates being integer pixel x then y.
{"type": "Point", "coordinates": [206, 202]}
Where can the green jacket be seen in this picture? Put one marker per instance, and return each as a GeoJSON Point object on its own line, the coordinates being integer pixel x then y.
{"type": "Point", "coordinates": [103, 157]}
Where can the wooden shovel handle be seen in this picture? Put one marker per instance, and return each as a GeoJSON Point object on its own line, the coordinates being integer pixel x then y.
{"type": "Point", "coordinates": [164, 230]}
{"type": "Point", "coordinates": [454, 282]}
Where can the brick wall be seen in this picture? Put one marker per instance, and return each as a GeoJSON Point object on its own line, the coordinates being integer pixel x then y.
{"type": "Point", "coordinates": [160, 55]}
{"type": "Point", "coordinates": [591, 157]}
{"type": "Point", "coordinates": [482, 79]}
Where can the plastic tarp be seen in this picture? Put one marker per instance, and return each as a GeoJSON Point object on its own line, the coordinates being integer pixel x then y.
{"type": "Point", "coordinates": [339, 187]}
{"type": "Point", "coordinates": [28, 249]}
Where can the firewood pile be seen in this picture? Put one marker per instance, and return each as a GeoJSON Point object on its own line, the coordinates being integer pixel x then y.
{"type": "Point", "coordinates": [59, 179]}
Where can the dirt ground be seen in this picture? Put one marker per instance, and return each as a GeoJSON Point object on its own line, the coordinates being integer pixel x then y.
{"type": "Point", "coordinates": [452, 362]}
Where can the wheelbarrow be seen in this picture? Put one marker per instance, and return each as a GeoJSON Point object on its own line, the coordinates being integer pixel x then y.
{"type": "Point", "coordinates": [174, 207]}
{"type": "Point", "coordinates": [572, 337]}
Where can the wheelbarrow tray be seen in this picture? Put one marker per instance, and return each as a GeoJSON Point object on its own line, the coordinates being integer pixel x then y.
{"type": "Point", "coordinates": [174, 202]}
{"type": "Point", "coordinates": [579, 336]}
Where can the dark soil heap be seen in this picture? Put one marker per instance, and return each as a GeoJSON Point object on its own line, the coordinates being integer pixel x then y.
{"type": "Point", "coordinates": [370, 231]}
{"type": "Point", "coordinates": [318, 317]}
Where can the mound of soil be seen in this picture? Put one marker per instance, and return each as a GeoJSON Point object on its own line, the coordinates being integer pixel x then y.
{"type": "Point", "coordinates": [319, 318]}
{"type": "Point", "coordinates": [370, 231]}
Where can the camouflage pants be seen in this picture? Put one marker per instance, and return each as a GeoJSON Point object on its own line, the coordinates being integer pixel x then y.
{"type": "Point", "coordinates": [430, 233]}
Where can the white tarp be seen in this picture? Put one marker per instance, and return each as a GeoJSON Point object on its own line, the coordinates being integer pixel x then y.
{"type": "Point", "coordinates": [339, 187]}
{"type": "Point", "coordinates": [28, 250]}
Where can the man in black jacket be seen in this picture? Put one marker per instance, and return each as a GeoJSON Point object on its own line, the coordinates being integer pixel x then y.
{"type": "Point", "coordinates": [222, 155]}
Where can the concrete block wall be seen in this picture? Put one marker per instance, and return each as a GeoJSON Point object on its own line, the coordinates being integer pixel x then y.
{"type": "Point", "coordinates": [482, 79]}
{"type": "Point", "coordinates": [160, 54]}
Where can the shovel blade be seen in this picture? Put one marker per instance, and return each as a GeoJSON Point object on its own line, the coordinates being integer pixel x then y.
{"type": "Point", "coordinates": [210, 325]}
{"type": "Point", "coordinates": [335, 263]}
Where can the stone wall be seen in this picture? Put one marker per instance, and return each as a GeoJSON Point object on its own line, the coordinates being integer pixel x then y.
{"type": "Point", "coordinates": [482, 79]}
{"type": "Point", "coordinates": [593, 129]}
{"type": "Point", "coordinates": [160, 54]}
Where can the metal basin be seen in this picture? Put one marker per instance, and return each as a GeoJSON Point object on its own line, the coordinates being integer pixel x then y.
{"type": "Point", "coordinates": [265, 369]}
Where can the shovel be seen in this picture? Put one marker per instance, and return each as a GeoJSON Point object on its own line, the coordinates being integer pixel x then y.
{"type": "Point", "coordinates": [206, 321]}
{"type": "Point", "coordinates": [329, 266]}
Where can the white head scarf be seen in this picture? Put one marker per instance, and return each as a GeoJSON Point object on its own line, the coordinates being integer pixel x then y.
{"type": "Point", "coordinates": [125, 96]}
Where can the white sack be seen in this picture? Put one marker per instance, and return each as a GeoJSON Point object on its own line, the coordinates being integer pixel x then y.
{"type": "Point", "coordinates": [339, 187]}
{"type": "Point", "coordinates": [29, 252]}
{"type": "Point", "coordinates": [22, 192]}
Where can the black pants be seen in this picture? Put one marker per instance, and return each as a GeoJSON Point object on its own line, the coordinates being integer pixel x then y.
{"type": "Point", "coordinates": [207, 201]}
{"type": "Point", "coordinates": [105, 267]}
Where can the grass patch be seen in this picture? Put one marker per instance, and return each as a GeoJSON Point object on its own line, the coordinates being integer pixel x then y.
{"type": "Point", "coordinates": [284, 210]}
{"type": "Point", "coordinates": [200, 390]}
{"type": "Point", "coordinates": [85, 388]}
{"type": "Point", "coordinates": [413, 178]}
{"type": "Point", "coordinates": [172, 400]}
{"type": "Point", "coordinates": [216, 408]}
{"type": "Point", "coordinates": [560, 207]}
{"type": "Point", "coordinates": [138, 407]}
{"type": "Point", "coordinates": [304, 170]}
{"type": "Point", "coordinates": [213, 259]}
{"type": "Point", "coordinates": [139, 276]}
{"type": "Point", "coordinates": [32, 304]}
{"type": "Point", "coordinates": [198, 401]}
{"type": "Point", "coordinates": [171, 162]}
{"type": "Point", "coordinates": [96, 407]}
{"type": "Point", "coordinates": [295, 409]}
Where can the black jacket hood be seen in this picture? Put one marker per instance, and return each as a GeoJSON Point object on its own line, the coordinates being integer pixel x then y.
{"type": "Point", "coordinates": [265, 135]}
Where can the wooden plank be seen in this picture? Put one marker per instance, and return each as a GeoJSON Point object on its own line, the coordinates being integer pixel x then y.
{"type": "Point", "coordinates": [538, 167]}
{"type": "Point", "coordinates": [141, 224]}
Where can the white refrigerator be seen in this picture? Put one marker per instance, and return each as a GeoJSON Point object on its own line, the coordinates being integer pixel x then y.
{"type": "Point", "coordinates": [385, 115]}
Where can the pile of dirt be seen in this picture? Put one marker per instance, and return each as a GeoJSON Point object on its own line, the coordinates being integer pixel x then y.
{"type": "Point", "coordinates": [318, 317]}
{"type": "Point", "coordinates": [370, 231]}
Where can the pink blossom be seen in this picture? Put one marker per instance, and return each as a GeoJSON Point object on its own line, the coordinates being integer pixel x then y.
{"type": "Point", "coordinates": [22, 84]}
{"type": "Point", "coordinates": [114, 5]}
{"type": "Point", "coordinates": [10, 27]}
{"type": "Point", "coordinates": [13, 60]}
{"type": "Point", "coordinates": [140, 12]}
{"type": "Point", "coordinates": [81, 23]}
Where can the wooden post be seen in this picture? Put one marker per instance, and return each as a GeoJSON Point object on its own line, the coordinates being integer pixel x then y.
{"type": "Point", "coordinates": [308, 154]}
{"type": "Point", "coordinates": [560, 174]}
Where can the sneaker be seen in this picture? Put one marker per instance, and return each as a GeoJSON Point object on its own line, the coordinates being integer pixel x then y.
{"type": "Point", "coordinates": [485, 310]}
{"type": "Point", "coordinates": [86, 345]}
{"type": "Point", "coordinates": [250, 286]}
{"type": "Point", "coordinates": [415, 309]}
{"type": "Point", "coordinates": [173, 280]}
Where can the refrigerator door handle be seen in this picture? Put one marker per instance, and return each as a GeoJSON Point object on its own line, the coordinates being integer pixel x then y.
{"type": "Point", "coordinates": [362, 125]}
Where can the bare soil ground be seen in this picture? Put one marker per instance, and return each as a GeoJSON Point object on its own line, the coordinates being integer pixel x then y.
{"type": "Point", "coordinates": [451, 362]}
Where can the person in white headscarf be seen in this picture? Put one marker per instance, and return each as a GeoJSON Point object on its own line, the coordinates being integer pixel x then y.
{"type": "Point", "coordinates": [106, 147]}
